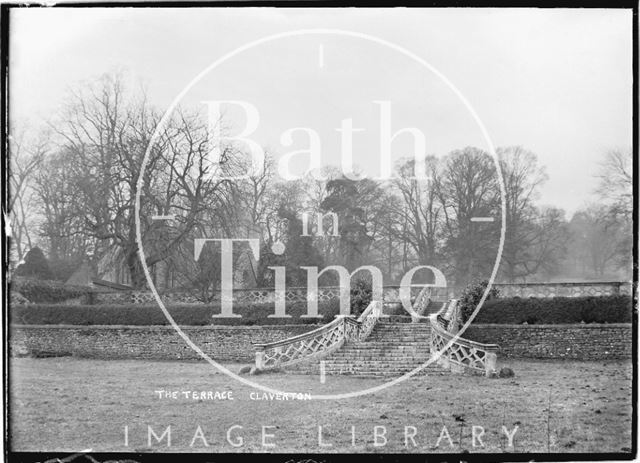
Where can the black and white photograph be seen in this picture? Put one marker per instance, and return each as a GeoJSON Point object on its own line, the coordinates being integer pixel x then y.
{"type": "Point", "coordinates": [316, 231]}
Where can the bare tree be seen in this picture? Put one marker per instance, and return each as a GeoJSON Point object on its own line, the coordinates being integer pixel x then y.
{"type": "Point", "coordinates": [523, 252]}
{"type": "Point", "coordinates": [254, 198]}
{"type": "Point", "coordinates": [362, 207]}
{"type": "Point", "coordinates": [615, 191]}
{"type": "Point", "coordinates": [106, 133]}
{"type": "Point", "coordinates": [420, 221]}
{"type": "Point", "coordinates": [596, 245]}
{"type": "Point", "coordinates": [550, 249]}
{"type": "Point", "coordinates": [61, 227]}
{"type": "Point", "coordinates": [615, 186]}
{"type": "Point", "coordinates": [26, 154]}
{"type": "Point", "coordinates": [314, 192]}
{"type": "Point", "coordinates": [466, 186]}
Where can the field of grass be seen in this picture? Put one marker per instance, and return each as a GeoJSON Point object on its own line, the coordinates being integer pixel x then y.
{"type": "Point", "coordinates": [68, 404]}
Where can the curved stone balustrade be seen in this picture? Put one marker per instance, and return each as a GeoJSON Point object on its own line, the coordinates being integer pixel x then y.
{"type": "Point", "coordinates": [319, 342]}
{"type": "Point", "coordinates": [458, 354]}
{"type": "Point", "coordinates": [292, 350]}
{"type": "Point", "coordinates": [420, 304]}
{"type": "Point", "coordinates": [366, 321]}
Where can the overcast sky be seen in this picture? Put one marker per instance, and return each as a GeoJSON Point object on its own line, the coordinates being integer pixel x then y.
{"type": "Point", "coordinates": [558, 82]}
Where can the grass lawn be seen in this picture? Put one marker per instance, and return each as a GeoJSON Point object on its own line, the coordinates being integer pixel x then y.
{"type": "Point", "coordinates": [69, 404]}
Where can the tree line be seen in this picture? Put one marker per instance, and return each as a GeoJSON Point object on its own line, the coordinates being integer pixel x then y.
{"type": "Point", "coordinates": [72, 190]}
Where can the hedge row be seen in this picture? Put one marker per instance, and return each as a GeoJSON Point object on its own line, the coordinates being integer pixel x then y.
{"type": "Point", "coordinates": [150, 314]}
{"type": "Point", "coordinates": [47, 291]}
{"type": "Point", "coordinates": [557, 310]}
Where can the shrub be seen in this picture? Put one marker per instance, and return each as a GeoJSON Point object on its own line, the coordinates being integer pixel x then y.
{"type": "Point", "coordinates": [150, 314]}
{"type": "Point", "coordinates": [557, 310]}
{"type": "Point", "coordinates": [40, 291]}
{"type": "Point", "coordinates": [35, 265]}
{"type": "Point", "coordinates": [361, 292]}
{"type": "Point", "coordinates": [471, 297]}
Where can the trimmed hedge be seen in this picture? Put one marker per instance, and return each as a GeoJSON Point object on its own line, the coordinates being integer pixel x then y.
{"type": "Point", "coordinates": [150, 314]}
{"type": "Point", "coordinates": [48, 291]}
{"type": "Point", "coordinates": [557, 310]}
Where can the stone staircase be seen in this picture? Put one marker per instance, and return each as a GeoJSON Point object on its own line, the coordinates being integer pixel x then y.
{"type": "Point", "coordinates": [394, 347]}
{"type": "Point", "coordinates": [381, 343]}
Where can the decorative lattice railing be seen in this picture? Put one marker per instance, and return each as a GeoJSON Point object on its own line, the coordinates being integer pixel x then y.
{"type": "Point", "coordinates": [366, 322]}
{"type": "Point", "coordinates": [455, 353]}
{"type": "Point", "coordinates": [390, 293]}
{"type": "Point", "coordinates": [319, 342]}
{"type": "Point", "coordinates": [251, 296]}
{"type": "Point", "coordinates": [565, 289]}
{"type": "Point", "coordinates": [420, 304]}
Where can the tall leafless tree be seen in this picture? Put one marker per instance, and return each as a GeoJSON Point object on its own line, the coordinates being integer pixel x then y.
{"type": "Point", "coordinates": [522, 253]}
{"type": "Point", "coordinates": [466, 186]}
{"type": "Point", "coordinates": [26, 154]}
{"type": "Point", "coordinates": [421, 219]}
{"type": "Point", "coordinates": [105, 132]}
{"type": "Point", "coordinates": [615, 183]}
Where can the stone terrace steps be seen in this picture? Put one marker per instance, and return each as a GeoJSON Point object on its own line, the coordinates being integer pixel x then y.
{"type": "Point", "coordinates": [393, 348]}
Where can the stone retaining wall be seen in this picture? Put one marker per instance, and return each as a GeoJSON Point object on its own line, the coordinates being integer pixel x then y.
{"type": "Point", "coordinates": [221, 343]}
{"type": "Point", "coordinates": [582, 342]}
{"type": "Point", "coordinates": [234, 343]}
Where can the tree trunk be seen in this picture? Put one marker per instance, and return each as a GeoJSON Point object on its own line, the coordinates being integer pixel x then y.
{"type": "Point", "coordinates": [136, 272]}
